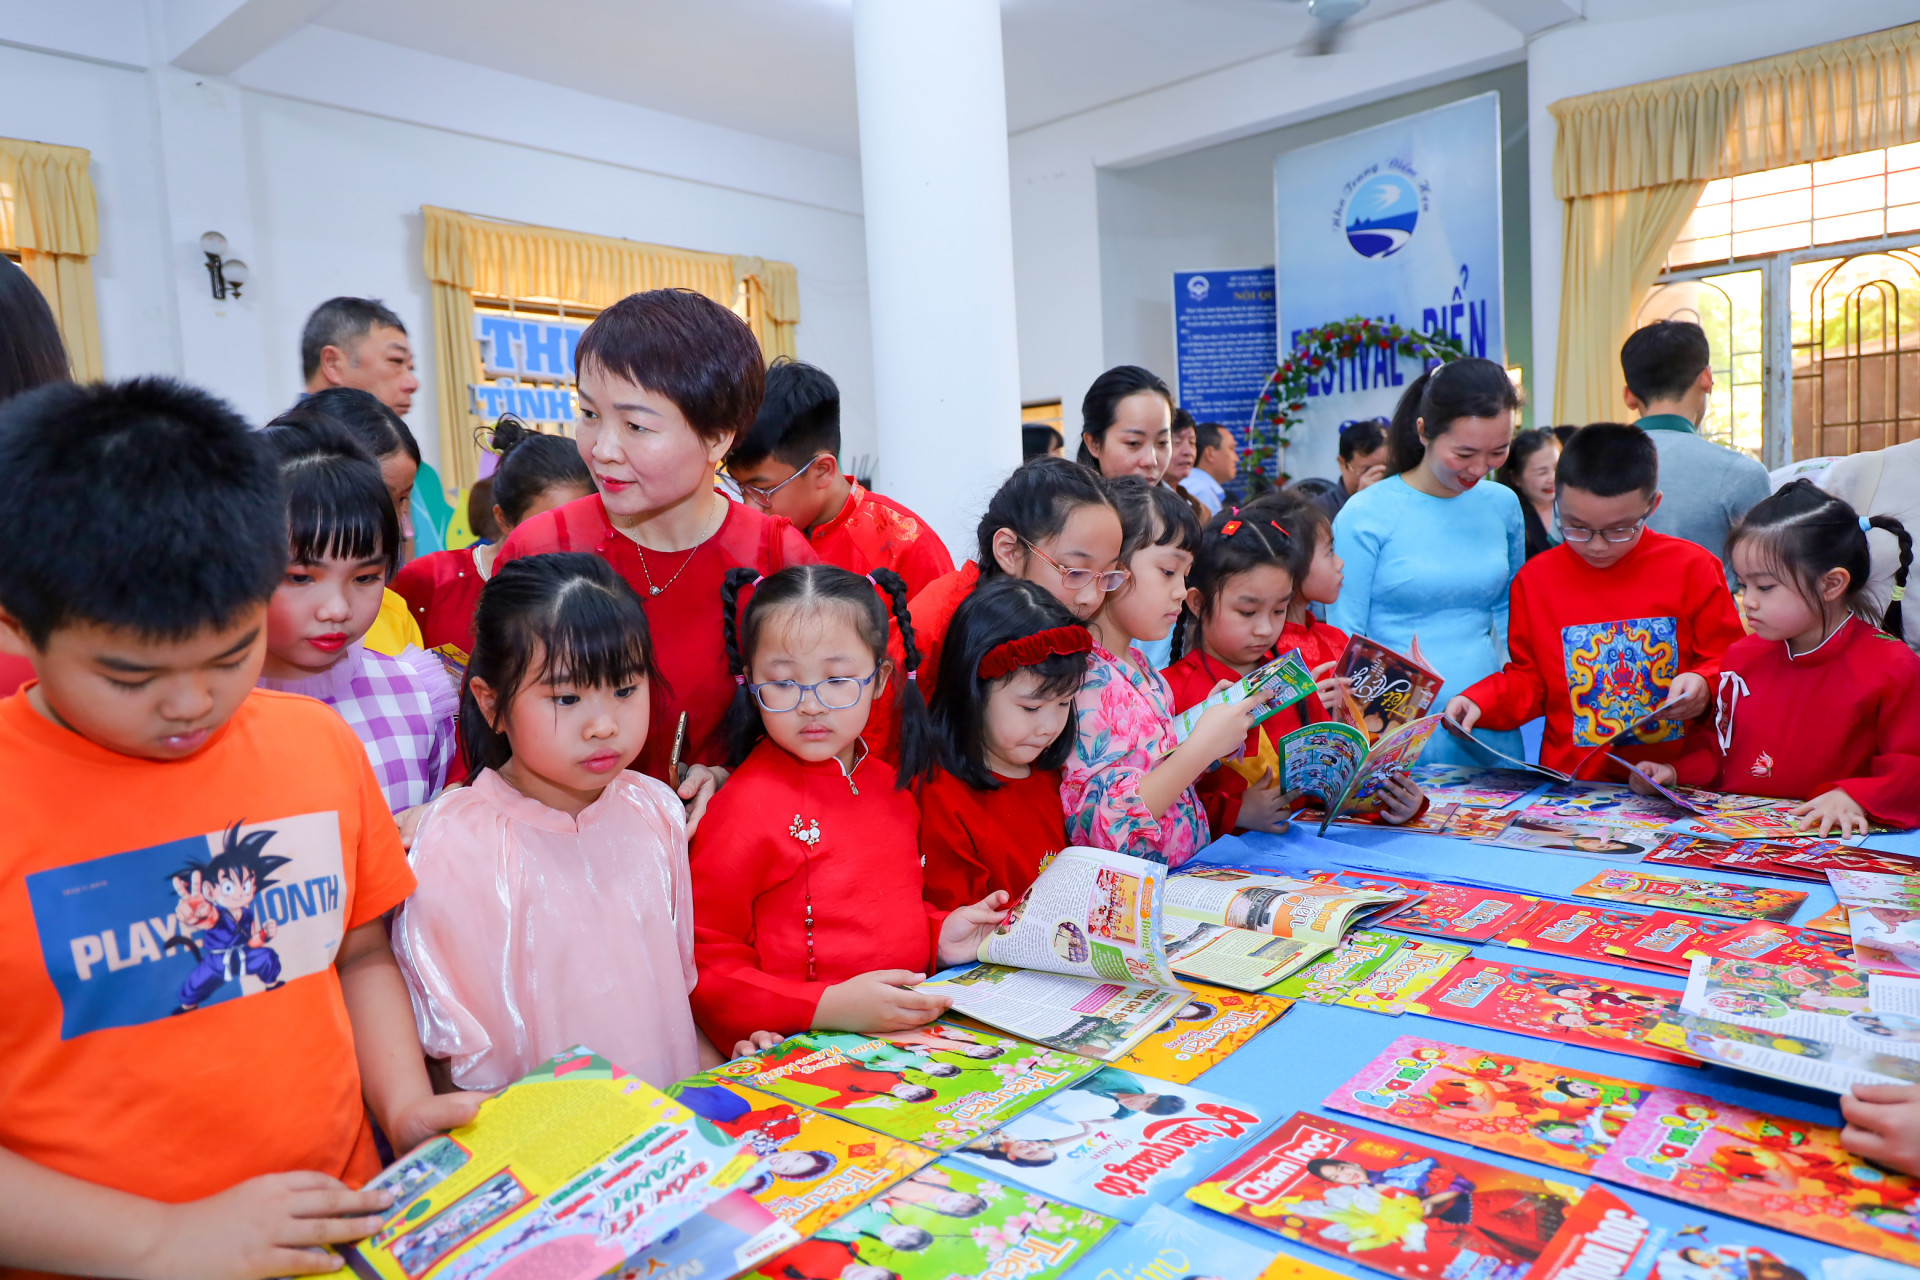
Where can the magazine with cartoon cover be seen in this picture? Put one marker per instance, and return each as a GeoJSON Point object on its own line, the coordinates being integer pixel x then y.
{"type": "Point", "coordinates": [1687, 851]}
{"type": "Point", "coordinates": [1599, 1013]}
{"type": "Point", "coordinates": [498, 1192]}
{"type": "Point", "coordinates": [1874, 889]}
{"type": "Point", "coordinates": [1491, 788]}
{"type": "Point", "coordinates": [947, 1221]}
{"type": "Point", "coordinates": [1772, 943]}
{"type": "Point", "coordinates": [1537, 1111]}
{"type": "Point", "coordinates": [1617, 1235]}
{"type": "Point", "coordinates": [1406, 975]}
{"type": "Point", "coordinates": [938, 1085]}
{"type": "Point", "coordinates": [1284, 681]}
{"type": "Point", "coordinates": [1383, 689]}
{"type": "Point", "coordinates": [1818, 1064]}
{"type": "Point", "coordinates": [1611, 804]}
{"type": "Point", "coordinates": [1737, 817]}
{"type": "Point", "coordinates": [1710, 897]}
{"type": "Point", "coordinates": [1872, 1012]}
{"type": "Point", "coordinates": [1165, 1245]}
{"type": "Point", "coordinates": [1579, 931]}
{"type": "Point", "coordinates": [1359, 956]}
{"type": "Point", "coordinates": [1198, 1036]}
{"type": "Point", "coordinates": [1116, 1142]}
{"type": "Point", "coordinates": [1664, 937]}
{"type": "Point", "coordinates": [1462, 913]}
{"type": "Point", "coordinates": [1343, 770]}
{"type": "Point", "coordinates": [1379, 1201]}
{"type": "Point", "coordinates": [1789, 1174]}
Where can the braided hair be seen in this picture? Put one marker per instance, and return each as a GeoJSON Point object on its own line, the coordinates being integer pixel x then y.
{"type": "Point", "coordinates": [1806, 532]}
{"type": "Point", "coordinates": [819, 586]}
{"type": "Point", "coordinates": [1238, 540]}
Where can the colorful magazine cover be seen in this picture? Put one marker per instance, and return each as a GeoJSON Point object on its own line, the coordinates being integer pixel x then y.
{"type": "Point", "coordinates": [946, 1221]}
{"type": "Point", "coordinates": [1895, 929]}
{"type": "Point", "coordinates": [1788, 1174]}
{"type": "Point", "coordinates": [1611, 804]}
{"type": "Point", "coordinates": [939, 1085]}
{"type": "Point", "coordinates": [1687, 851]}
{"type": "Point", "coordinates": [1116, 1142]}
{"type": "Point", "coordinates": [1285, 681]}
{"type": "Point", "coordinates": [1608, 1237]}
{"type": "Point", "coordinates": [1406, 976]}
{"type": "Point", "coordinates": [1597, 1013]}
{"type": "Point", "coordinates": [1238, 958]}
{"type": "Point", "coordinates": [1465, 822]}
{"type": "Point", "coordinates": [1379, 1201]}
{"type": "Point", "coordinates": [1459, 913]}
{"type": "Point", "coordinates": [1473, 785]}
{"type": "Point", "coordinates": [1737, 817]}
{"type": "Point", "coordinates": [1384, 689]}
{"type": "Point", "coordinates": [1580, 932]}
{"type": "Point", "coordinates": [1342, 769]}
{"type": "Point", "coordinates": [1549, 1114]}
{"type": "Point", "coordinates": [1213, 1023]}
{"type": "Point", "coordinates": [1663, 939]}
{"type": "Point", "coordinates": [1359, 955]}
{"type": "Point", "coordinates": [573, 1170]}
{"type": "Point", "coordinates": [1581, 839]}
{"type": "Point", "coordinates": [1818, 1064]}
{"type": "Point", "coordinates": [1771, 943]}
{"type": "Point", "coordinates": [1874, 889]}
{"type": "Point", "coordinates": [1866, 1011]}
{"type": "Point", "coordinates": [1713, 897]}
{"type": "Point", "coordinates": [1832, 920]}
{"type": "Point", "coordinates": [1618, 674]}
{"type": "Point", "coordinates": [1165, 1245]}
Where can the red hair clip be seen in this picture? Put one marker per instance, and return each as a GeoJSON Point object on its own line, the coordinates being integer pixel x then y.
{"type": "Point", "coordinates": [1230, 528]}
{"type": "Point", "coordinates": [1027, 650]}
{"type": "Point", "coordinates": [1282, 532]}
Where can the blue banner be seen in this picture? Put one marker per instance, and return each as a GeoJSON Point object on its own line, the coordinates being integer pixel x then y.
{"type": "Point", "coordinates": [1223, 337]}
{"type": "Point", "coordinates": [1400, 222]}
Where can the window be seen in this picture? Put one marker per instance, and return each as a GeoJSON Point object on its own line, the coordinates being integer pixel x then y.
{"type": "Point", "coordinates": [1807, 281]}
{"type": "Point", "coordinates": [526, 350]}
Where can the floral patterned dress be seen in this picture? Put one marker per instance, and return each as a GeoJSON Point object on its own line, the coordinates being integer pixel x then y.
{"type": "Point", "coordinates": [1126, 728]}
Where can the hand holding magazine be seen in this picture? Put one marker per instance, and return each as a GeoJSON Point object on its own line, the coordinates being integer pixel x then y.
{"type": "Point", "coordinates": [1285, 681]}
{"type": "Point", "coordinates": [1382, 690]}
{"type": "Point", "coordinates": [1337, 765]}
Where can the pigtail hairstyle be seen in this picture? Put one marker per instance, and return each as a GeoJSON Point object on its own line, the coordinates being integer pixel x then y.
{"type": "Point", "coordinates": [1035, 502]}
{"type": "Point", "coordinates": [1803, 533]}
{"type": "Point", "coordinates": [823, 586]}
{"type": "Point", "coordinates": [1466, 388]}
{"type": "Point", "coordinates": [572, 610]}
{"type": "Point", "coordinates": [1237, 540]}
{"type": "Point", "coordinates": [1003, 610]}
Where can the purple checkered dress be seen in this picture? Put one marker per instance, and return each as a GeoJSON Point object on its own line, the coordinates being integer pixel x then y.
{"type": "Point", "coordinates": [402, 711]}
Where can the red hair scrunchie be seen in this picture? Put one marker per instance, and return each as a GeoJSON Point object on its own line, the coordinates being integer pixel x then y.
{"type": "Point", "coordinates": [1028, 650]}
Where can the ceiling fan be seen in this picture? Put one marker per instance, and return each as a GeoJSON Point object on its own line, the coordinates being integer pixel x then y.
{"type": "Point", "coordinates": [1328, 17]}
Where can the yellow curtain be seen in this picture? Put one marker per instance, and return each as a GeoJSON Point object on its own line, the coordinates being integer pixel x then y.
{"type": "Point", "coordinates": [1630, 164]}
{"type": "Point", "coordinates": [49, 216]}
{"type": "Point", "coordinates": [466, 255]}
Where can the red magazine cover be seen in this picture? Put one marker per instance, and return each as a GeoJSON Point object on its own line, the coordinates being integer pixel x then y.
{"type": "Point", "coordinates": [1452, 911]}
{"type": "Point", "coordinates": [1596, 1012]}
{"type": "Point", "coordinates": [1663, 940]}
{"type": "Point", "coordinates": [1582, 932]}
{"type": "Point", "coordinates": [1386, 689]}
{"type": "Point", "coordinates": [1687, 851]}
{"type": "Point", "coordinates": [1781, 944]}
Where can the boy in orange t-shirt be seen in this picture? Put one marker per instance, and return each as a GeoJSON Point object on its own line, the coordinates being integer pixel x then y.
{"type": "Point", "coordinates": [201, 1004]}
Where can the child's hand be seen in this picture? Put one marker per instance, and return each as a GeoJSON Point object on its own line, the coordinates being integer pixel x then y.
{"type": "Point", "coordinates": [1265, 807]}
{"type": "Point", "coordinates": [1834, 809]}
{"type": "Point", "coordinates": [1687, 698]}
{"type": "Point", "coordinates": [883, 1000]}
{"type": "Point", "coordinates": [1883, 1124]}
{"type": "Point", "coordinates": [1401, 798]}
{"type": "Point", "coordinates": [432, 1115]}
{"type": "Point", "coordinates": [755, 1043]}
{"type": "Point", "coordinates": [1463, 711]}
{"type": "Point", "coordinates": [409, 822]}
{"type": "Point", "coordinates": [697, 790]}
{"type": "Point", "coordinates": [1332, 689]}
{"type": "Point", "coordinates": [1664, 774]}
{"type": "Point", "coordinates": [267, 1226]}
{"type": "Point", "coordinates": [1223, 730]}
{"type": "Point", "coordinates": [965, 928]}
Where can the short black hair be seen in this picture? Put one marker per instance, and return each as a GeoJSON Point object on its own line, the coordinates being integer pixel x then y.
{"type": "Point", "coordinates": [1210, 435]}
{"type": "Point", "coordinates": [1183, 421]}
{"type": "Point", "coordinates": [337, 504]}
{"type": "Point", "coordinates": [144, 505]}
{"type": "Point", "coordinates": [687, 347]}
{"type": "Point", "coordinates": [531, 462]}
{"type": "Point", "coordinates": [337, 322]}
{"type": "Point", "coordinates": [1361, 436]}
{"type": "Point", "coordinates": [33, 354]}
{"type": "Point", "coordinates": [1038, 440]}
{"type": "Point", "coordinates": [377, 427]}
{"type": "Point", "coordinates": [1662, 360]}
{"type": "Point", "coordinates": [799, 418]}
{"type": "Point", "coordinates": [999, 609]}
{"type": "Point", "coordinates": [1607, 459]}
{"type": "Point", "coordinates": [1035, 502]}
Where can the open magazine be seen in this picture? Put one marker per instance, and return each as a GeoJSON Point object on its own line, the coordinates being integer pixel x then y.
{"type": "Point", "coordinates": [1249, 929]}
{"type": "Point", "coordinates": [1340, 767]}
{"type": "Point", "coordinates": [1285, 681]}
{"type": "Point", "coordinates": [1383, 689]}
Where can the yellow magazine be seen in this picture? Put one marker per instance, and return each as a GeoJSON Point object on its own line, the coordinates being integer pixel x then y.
{"type": "Point", "coordinates": [1198, 1037]}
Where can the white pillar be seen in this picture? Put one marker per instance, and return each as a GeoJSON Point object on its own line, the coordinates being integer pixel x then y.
{"type": "Point", "coordinates": [933, 161]}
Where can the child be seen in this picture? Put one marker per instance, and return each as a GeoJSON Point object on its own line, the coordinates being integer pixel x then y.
{"type": "Point", "coordinates": [1051, 523]}
{"type": "Point", "coordinates": [199, 1105]}
{"type": "Point", "coordinates": [535, 473]}
{"type": "Point", "coordinates": [555, 855]}
{"type": "Point", "coordinates": [1600, 622]}
{"type": "Point", "coordinates": [1817, 704]}
{"type": "Point", "coordinates": [1320, 643]}
{"type": "Point", "coordinates": [788, 463]}
{"type": "Point", "coordinates": [384, 435]}
{"type": "Point", "coordinates": [806, 872]}
{"type": "Point", "coordinates": [343, 537]}
{"type": "Point", "coordinates": [1127, 786]}
{"type": "Point", "coordinates": [1004, 710]}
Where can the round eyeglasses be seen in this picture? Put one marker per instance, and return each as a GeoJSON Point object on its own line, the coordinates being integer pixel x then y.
{"type": "Point", "coordinates": [765, 496]}
{"type": "Point", "coordinates": [1074, 579]}
{"type": "Point", "coordinates": [836, 693]}
{"type": "Point", "coordinates": [1618, 533]}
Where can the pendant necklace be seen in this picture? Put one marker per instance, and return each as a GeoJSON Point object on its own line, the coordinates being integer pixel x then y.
{"type": "Point", "coordinates": [648, 575]}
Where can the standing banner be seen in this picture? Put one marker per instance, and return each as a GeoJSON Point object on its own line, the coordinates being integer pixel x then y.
{"type": "Point", "coordinates": [1224, 344]}
{"type": "Point", "coordinates": [1400, 223]}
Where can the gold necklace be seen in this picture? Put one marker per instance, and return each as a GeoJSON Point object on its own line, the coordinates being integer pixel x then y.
{"type": "Point", "coordinates": [647, 574]}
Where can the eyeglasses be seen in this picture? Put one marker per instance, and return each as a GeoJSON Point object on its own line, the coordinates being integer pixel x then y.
{"type": "Point", "coordinates": [765, 496]}
{"type": "Point", "coordinates": [1074, 579]}
{"type": "Point", "coordinates": [836, 693]}
{"type": "Point", "coordinates": [1619, 533]}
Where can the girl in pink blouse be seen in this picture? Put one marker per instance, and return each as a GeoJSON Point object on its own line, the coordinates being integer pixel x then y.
{"type": "Point", "coordinates": [1127, 786]}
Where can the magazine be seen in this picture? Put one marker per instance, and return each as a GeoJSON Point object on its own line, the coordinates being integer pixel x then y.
{"type": "Point", "coordinates": [1597, 1013]}
{"type": "Point", "coordinates": [1494, 758]}
{"type": "Point", "coordinates": [938, 1085]}
{"type": "Point", "coordinates": [1202, 1032]}
{"type": "Point", "coordinates": [1670, 794]}
{"type": "Point", "coordinates": [1279, 906]}
{"type": "Point", "coordinates": [1549, 1114]}
{"type": "Point", "coordinates": [1341, 768]}
{"type": "Point", "coordinates": [1873, 1012]}
{"type": "Point", "coordinates": [1379, 1201]}
{"type": "Point", "coordinates": [1357, 958]}
{"type": "Point", "coordinates": [577, 1162]}
{"type": "Point", "coordinates": [1688, 851]}
{"type": "Point", "coordinates": [1285, 681]}
{"type": "Point", "coordinates": [1663, 938]}
{"type": "Point", "coordinates": [1772, 943]}
{"type": "Point", "coordinates": [1581, 932]}
{"type": "Point", "coordinates": [1457, 912]}
{"type": "Point", "coordinates": [1609, 1237]}
{"type": "Point", "coordinates": [1164, 1245]}
{"type": "Point", "coordinates": [1581, 839]}
{"type": "Point", "coordinates": [1713, 897]}
{"type": "Point", "coordinates": [1383, 689]}
{"type": "Point", "coordinates": [1788, 1174]}
{"type": "Point", "coordinates": [1818, 1064]}
{"type": "Point", "coordinates": [1116, 1142]}
{"type": "Point", "coordinates": [1832, 920]}
{"type": "Point", "coordinates": [948, 1220]}
{"type": "Point", "coordinates": [1236, 958]}
{"type": "Point", "coordinates": [1417, 965]}
{"type": "Point", "coordinates": [1609, 804]}
{"type": "Point", "coordinates": [1490, 788]}
{"type": "Point", "coordinates": [1874, 889]}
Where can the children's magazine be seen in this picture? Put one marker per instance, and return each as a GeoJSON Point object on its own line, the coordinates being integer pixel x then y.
{"type": "Point", "coordinates": [1459, 913]}
{"type": "Point", "coordinates": [577, 1165]}
{"type": "Point", "coordinates": [1117, 1142]}
{"type": "Point", "coordinates": [1380, 1201]}
{"type": "Point", "coordinates": [1235, 957]}
{"type": "Point", "coordinates": [1713, 897]}
{"type": "Point", "coordinates": [1874, 889]}
{"type": "Point", "coordinates": [1202, 1032]}
{"type": "Point", "coordinates": [1570, 836]}
{"type": "Point", "coordinates": [1818, 1064]}
{"type": "Point", "coordinates": [1250, 929]}
{"type": "Point", "coordinates": [1285, 681]}
{"type": "Point", "coordinates": [939, 1085]}
{"type": "Point", "coordinates": [1344, 770]}
{"type": "Point", "coordinates": [1165, 1245]}
{"type": "Point", "coordinates": [1373, 970]}
{"type": "Point", "coordinates": [1597, 1013]}
{"type": "Point", "coordinates": [1870, 1012]}
{"type": "Point", "coordinates": [1581, 932]}
{"type": "Point", "coordinates": [1664, 939]}
{"type": "Point", "coordinates": [1549, 1114]}
{"type": "Point", "coordinates": [1383, 689]}
{"type": "Point", "coordinates": [1895, 929]}
{"type": "Point", "coordinates": [947, 1220]}
{"type": "Point", "coordinates": [1770, 943]}
{"type": "Point", "coordinates": [1490, 788]}
{"type": "Point", "coordinates": [1610, 1236]}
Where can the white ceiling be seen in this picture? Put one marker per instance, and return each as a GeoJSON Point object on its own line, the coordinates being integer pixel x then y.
{"type": "Point", "coordinates": [784, 68]}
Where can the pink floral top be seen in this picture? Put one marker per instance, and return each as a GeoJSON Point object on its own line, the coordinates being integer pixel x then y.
{"type": "Point", "coordinates": [1125, 729]}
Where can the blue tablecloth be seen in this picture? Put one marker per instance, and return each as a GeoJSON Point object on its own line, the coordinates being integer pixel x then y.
{"type": "Point", "coordinates": [1314, 1049]}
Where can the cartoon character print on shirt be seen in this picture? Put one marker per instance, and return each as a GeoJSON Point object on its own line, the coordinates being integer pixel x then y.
{"type": "Point", "coordinates": [134, 937]}
{"type": "Point", "coordinates": [1617, 672]}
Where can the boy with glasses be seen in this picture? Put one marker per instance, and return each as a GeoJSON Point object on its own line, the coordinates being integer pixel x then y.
{"type": "Point", "coordinates": [1615, 624]}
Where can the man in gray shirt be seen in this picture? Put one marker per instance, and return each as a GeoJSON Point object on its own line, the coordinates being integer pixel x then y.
{"type": "Point", "coordinates": [1708, 486]}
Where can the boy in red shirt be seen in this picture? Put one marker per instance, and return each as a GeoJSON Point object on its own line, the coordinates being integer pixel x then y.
{"type": "Point", "coordinates": [789, 463]}
{"type": "Point", "coordinates": [202, 1006]}
{"type": "Point", "coordinates": [1612, 624]}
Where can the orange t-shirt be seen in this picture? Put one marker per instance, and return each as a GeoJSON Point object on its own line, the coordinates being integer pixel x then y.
{"type": "Point", "coordinates": [154, 1040]}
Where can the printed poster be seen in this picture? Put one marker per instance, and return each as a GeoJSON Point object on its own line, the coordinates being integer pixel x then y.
{"type": "Point", "coordinates": [1617, 674]}
{"type": "Point", "coordinates": [1713, 897]}
{"type": "Point", "coordinates": [1595, 1012]}
{"type": "Point", "coordinates": [1116, 1142]}
{"type": "Point", "coordinates": [1548, 1114]}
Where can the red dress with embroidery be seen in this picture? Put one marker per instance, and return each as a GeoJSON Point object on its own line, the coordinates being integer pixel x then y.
{"type": "Point", "coordinates": [933, 611]}
{"type": "Point", "coordinates": [684, 617]}
{"type": "Point", "coordinates": [443, 589]}
{"type": "Point", "coordinates": [875, 532]}
{"type": "Point", "coordinates": [973, 842]}
{"type": "Point", "coordinates": [1192, 678]}
{"type": "Point", "coordinates": [783, 833]}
